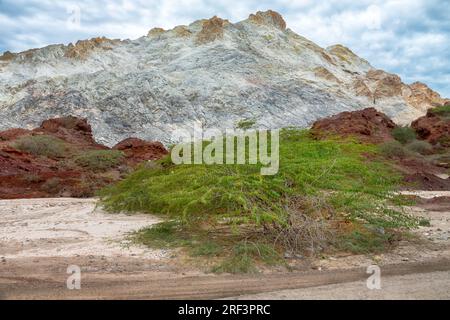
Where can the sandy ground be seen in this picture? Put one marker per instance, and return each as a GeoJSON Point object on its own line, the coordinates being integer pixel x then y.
{"type": "Point", "coordinates": [40, 238]}
{"type": "Point", "coordinates": [67, 228]}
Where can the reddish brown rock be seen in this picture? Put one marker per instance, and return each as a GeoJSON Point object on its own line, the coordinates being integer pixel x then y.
{"type": "Point", "coordinates": [368, 125]}
{"type": "Point", "coordinates": [212, 29]}
{"type": "Point", "coordinates": [25, 175]}
{"type": "Point", "coordinates": [12, 134]}
{"type": "Point", "coordinates": [83, 48]}
{"type": "Point", "coordinates": [268, 18]}
{"type": "Point", "coordinates": [434, 128]}
{"type": "Point", "coordinates": [137, 150]}
{"type": "Point", "coordinates": [71, 129]}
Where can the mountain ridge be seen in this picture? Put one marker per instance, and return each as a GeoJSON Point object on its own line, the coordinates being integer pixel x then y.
{"type": "Point", "coordinates": [211, 73]}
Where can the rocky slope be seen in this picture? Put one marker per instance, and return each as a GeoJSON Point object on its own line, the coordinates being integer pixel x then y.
{"type": "Point", "coordinates": [61, 158]}
{"type": "Point", "coordinates": [427, 171]}
{"type": "Point", "coordinates": [368, 125]}
{"type": "Point", "coordinates": [211, 73]}
{"type": "Point", "coordinates": [435, 126]}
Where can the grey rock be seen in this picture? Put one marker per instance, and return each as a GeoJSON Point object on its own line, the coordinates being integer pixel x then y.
{"type": "Point", "coordinates": [151, 86]}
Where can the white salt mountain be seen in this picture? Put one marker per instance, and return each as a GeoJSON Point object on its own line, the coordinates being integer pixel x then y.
{"type": "Point", "coordinates": [212, 73]}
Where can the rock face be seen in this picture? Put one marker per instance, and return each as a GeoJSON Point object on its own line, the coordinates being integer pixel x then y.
{"type": "Point", "coordinates": [25, 174]}
{"type": "Point", "coordinates": [137, 150]}
{"type": "Point", "coordinates": [71, 129]}
{"type": "Point", "coordinates": [434, 127]}
{"type": "Point", "coordinates": [211, 73]}
{"type": "Point", "coordinates": [368, 125]}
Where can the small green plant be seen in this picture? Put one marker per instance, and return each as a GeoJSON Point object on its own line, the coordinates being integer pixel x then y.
{"type": "Point", "coordinates": [268, 37]}
{"type": "Point", "coordinates": [365, 241]}
{"type": "Point", "coordinates": [443, 111]}
{"type": "Point", "coordinates": [393, 149]}
{"type": "Point", "coordinates": [41, 145]}
{"type": "Point", "coordinates": [246, 124]}
{"type": "Point", "coordinates": [167, 234]}
{"type": "Point", "coordinates": [404, 134]}
{"type": "Point", "coordinates": [244, 256]}
{"type": "Point", "coordinates": [207, 249]}
{"type": "Point", "coordinates": [419, 146]}
{"type": "Point", "coordinates": [99, 160]}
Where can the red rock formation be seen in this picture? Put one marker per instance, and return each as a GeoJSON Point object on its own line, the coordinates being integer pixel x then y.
{"type": "Point", "coordinates": [71, 129]}
{"type": "Point", "coordinates": [212, 29]}
{"type": "Point", "coordinates": [83, 48]}
{"type": "Point", "coordinates": [137, 150]}
{"type": "Point", "coordinates": [12, 134]}
{"type": "Point", "coordinates": [268, 18]}
{"type": "Point", "coordinates": [25, 175]}
{"type": "Point", "coordinates": [434, 128]}
{"type": "Point", "coordinates": [368, 125]}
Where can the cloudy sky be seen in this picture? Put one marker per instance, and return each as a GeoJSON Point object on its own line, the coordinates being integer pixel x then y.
{"type": "Point", "coordinates": [407, 37]}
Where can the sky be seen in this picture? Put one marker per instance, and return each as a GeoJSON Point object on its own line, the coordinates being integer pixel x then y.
{"type": "Point", "coordinates": [408, 37]}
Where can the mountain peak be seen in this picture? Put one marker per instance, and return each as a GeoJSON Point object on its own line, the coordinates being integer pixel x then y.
{"type": "Point", "coordinates": [212, 29]}
{"type": "Point", "coordinates": [270, 18]}
{"type": "Point", "coordinates": [210, 72]}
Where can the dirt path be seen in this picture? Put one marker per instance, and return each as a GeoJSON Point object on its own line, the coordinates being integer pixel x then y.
{"type": "Point", "coordinates": [422, 286]}
{"type": "Point", "coordinates": [40, 238]}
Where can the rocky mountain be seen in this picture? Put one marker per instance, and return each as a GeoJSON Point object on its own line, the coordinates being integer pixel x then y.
{"type": "Point", "coordinates": [211, 73]}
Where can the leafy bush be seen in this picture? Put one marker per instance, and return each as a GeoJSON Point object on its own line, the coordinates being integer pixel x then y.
{"type": "Point", "coordinates": [319, 184]}
{"type": "Point", "coordinates": [419, 146]}
{"type": "Point", "coordinates": [41, 145]}
{"type": "Point", "coordinates": [404, 134]}
{"type": "Point", "coordinates": [99, 160]}
{"type": "Point", "coordinates": [393, 149]}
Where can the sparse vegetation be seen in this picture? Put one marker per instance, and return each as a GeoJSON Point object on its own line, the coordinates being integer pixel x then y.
{"type": "Point", "coordinates": [52, 185]}
{"type": "Point", "coordinates": [32, 178]}
{"type": "Point", "coordinates": [393, 149]}
{"type": "Point", "coordinates": [243, 256]}
{"type": "Point", "coordinates": [321, 186]}
{"type": "Point", "coordinates": [99, 160]}
{"type": "Point", "coordinates": [443, 111]}
{"type": "Point", "coordinates": [246, 124]}
{"type": "Point", "coordinates": [421, 147]}
{"type": "Point", "coordinates": [41, 145]}
{"type": "Point", "coordinates": [404, 134]}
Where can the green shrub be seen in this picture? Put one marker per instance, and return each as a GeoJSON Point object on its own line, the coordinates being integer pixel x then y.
{"type": "Point", "coordinates": [246, 124]}
{"type": "Point", "coordinates": [404, 134]}
{"type": "Point", "coordinates": [337, 172]}
{"type": "Point", "coordinates": [321, 184]}
{"type": "Point", "coordinates": [393, 149]}
{"type": "Point", "coordinates": [419, 146]}
{"type": "Point", "coordinates": [41, 145]}
{"type": "Point", "coordinates": [443, 111]}
{"type": "Point", "coordinates": [99, 160]}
